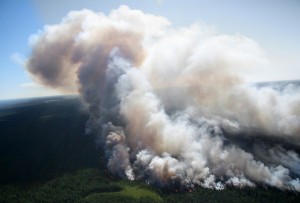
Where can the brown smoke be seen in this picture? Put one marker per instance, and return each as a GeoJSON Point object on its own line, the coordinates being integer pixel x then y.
{"type": "Point", "coordinates": [170, 105]}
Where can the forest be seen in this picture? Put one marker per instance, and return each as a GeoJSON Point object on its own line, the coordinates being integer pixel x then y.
{"type": "Point", "coordinates": [45, 156]}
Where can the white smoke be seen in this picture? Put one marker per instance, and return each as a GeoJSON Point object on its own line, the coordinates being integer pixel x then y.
{"type": "Point", "coordinates": [170, 105]}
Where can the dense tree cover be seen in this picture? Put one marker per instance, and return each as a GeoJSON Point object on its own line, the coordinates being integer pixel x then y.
{"type": "Point", "coordinates": [83, 186]}
{"type": "Point", "coordinates": [45, 157]}
{"type": "Point", "coordinates": [90, 185]}
{"type": "Point", "coordinates": [44, 138]}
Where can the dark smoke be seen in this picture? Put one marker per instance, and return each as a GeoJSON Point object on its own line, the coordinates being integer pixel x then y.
{"type": "Point", "coordinates": [169, 105]}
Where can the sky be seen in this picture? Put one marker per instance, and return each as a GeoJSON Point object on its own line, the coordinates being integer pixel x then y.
{"type": "Point", "coordinates": [273, 24]}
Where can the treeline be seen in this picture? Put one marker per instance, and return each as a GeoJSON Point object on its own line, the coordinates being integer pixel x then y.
{"type": "Point", "coordinates": [233, 195]}
{"type": "Point", "coordinates": [91, 186]}
{"type": "Point", "coordinates": [83, 186]}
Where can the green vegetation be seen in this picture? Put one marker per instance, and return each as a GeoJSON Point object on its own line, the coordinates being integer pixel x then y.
{"type": "Point", "coordinates": [45, 157]}
{"type": "Point", "coordinates": [82, 186]}
{"type": "Point", "coordinates": [138, 191]}
{"type": "Point", "coordinates": [90, 185]}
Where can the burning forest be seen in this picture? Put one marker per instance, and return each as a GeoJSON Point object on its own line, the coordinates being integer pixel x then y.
{"type": "Point", "coordinates": [171, 106]}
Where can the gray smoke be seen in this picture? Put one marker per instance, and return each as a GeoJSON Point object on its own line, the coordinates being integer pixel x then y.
{"type": "Point", "coordinates": [170, 105]}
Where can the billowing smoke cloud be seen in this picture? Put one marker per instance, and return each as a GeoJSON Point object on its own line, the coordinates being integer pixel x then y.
{"type": "Point", "coordinates": [170, 105]}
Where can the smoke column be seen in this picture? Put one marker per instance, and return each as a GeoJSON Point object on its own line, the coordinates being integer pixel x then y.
{"type": "Point", "coordinates": [170, 105]}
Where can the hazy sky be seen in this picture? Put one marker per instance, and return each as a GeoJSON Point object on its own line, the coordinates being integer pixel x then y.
{"type": "Point", "coordinates": [273, 24]}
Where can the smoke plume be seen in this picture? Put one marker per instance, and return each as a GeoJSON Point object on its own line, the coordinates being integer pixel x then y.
{"type": "Point", "coordinates": [170, 105]}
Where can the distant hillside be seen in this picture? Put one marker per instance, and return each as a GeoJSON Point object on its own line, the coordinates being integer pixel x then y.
{"type": "Point", "coordinates": [42, 138]}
